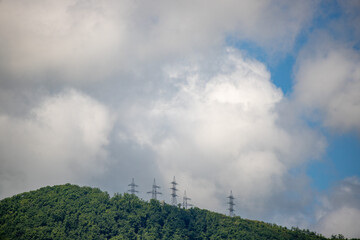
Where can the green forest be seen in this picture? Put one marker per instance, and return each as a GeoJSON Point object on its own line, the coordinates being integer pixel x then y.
{"type": "Point", "coordinates": [73, 212]}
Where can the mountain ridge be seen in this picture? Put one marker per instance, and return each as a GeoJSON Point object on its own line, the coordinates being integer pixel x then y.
{"type": "Point", "coordinates": [73, 212]}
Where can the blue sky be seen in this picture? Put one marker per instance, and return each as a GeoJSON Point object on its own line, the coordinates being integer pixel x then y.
{"type": "Point", "coordinates": [261, 98]}
{"type": "Point", "coordinates": [339, 162]}
{"type": "Point", "coordinates": [341, 158]}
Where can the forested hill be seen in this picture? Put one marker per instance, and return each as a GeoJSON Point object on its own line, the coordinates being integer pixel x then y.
{"type": "Point", "coordinates": [73, 212]}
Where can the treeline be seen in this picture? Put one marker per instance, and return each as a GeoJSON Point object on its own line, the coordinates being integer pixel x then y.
{"type": "Point", "coordinates": [73, 212]}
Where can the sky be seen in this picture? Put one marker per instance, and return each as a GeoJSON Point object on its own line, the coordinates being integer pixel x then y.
{"type": "Point", "coordinates": [258, 97]}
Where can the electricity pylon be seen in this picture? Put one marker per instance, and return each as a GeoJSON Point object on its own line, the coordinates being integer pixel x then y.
{"type": "Point", "coordinates": [132, 189]}
{"type": "Point", "coordinates": [173, 192]}
{"type": "Point", "coordinates": [231, 204]}
{"type": "Point", "coordinates": [185, 201]}
{"type": "Point", "coordinates": [154, 192]}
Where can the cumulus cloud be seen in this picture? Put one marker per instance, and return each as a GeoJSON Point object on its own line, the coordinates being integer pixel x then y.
{"type": "Point", "coordinates": [328, 83]}
{"type": "Point", "coordinates": [59, 39]}
{"type": "Point", "coordinates": [47, 46]}
{"type": "Point", "coordinates": [61, 140]}
{"type": "Point", "coordinates": [214, 120]}
{"type": "Point", "coordinates": [222, 132]}
{"type": "Point", "coordinates": [340, 210]}
{"type": "Point", "coordinates": [87, 40]}
{"type": "Point", "coordinates": [194, 24]}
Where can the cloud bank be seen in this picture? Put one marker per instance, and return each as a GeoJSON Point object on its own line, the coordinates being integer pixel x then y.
{"type": "Point", "coordinates": [98, 92]}
{"type": "Point", "coordinates": [62, 140]}
{"type": "Point", "coordinates": [223, 132]}
{"type": "Point", "coordinates": [76, 40]}
{"type": "Point", "coordinates": [328, 84]}
{"type": "Point", "coordinates": [340, 211]}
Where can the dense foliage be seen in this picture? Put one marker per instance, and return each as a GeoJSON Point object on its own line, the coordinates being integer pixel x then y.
{"type": "Point", "coordinates": [73, 212]}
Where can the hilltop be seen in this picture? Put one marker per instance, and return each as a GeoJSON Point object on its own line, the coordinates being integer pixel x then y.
{"type": "Point", "coordinates": [73, 212]}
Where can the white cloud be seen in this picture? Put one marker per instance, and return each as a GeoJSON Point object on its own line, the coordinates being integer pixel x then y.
{"type": "Point", "coordinates": [188, 25]}
{"type": "Point", "coordinates": [66, 39]}
{"type": "Point", "coordinates": [47, 43]}
{"type": "Point", "coordinates": [222, 132]}
{"type": "Point", "coordinates": [340, 210]}
{"type": "Point", "coordinates": [328, 83]}
{"type": "Point", "coordinates": [220, 124]}
{"type": "Point", "coordinates": [89, 40]}
{"type": "Point", "coordinates": [62, 140]}
{"type": "Point", "coordinates": [343, 221]}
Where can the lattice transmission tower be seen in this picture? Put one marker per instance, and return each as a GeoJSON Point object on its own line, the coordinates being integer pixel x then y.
{"type": "Point", "coordinates": [185, 201]}
{"type": "Point", "coordinates": [231, 204]}
{"type": "Point", "coordinates": [133, 187]}
{"type": "Point", "coordinates": [173, 192]}
{"type": "Point", "coordinates": [154, 192]}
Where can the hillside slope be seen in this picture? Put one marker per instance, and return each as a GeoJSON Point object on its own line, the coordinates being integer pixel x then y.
{"type": "Point", "coordinates": [73, 212]}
